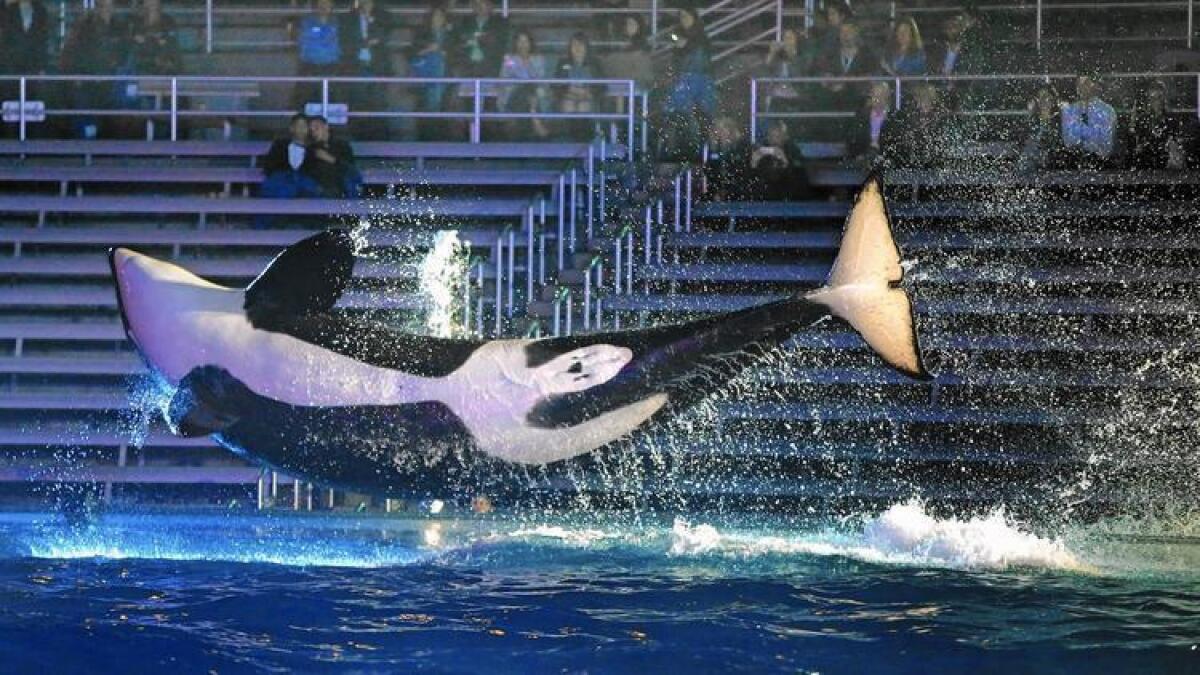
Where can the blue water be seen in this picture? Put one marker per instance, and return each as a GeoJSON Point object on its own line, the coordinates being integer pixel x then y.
{"type": "Point", "coordinates": [900, 592]}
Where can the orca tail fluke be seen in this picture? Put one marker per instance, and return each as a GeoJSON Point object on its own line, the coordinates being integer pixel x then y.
{"type": "Point", "coordinates": [863, 287]}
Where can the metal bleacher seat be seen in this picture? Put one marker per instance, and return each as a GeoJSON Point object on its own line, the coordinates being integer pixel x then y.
{"type": "Point", "coordinates": [249, 151]}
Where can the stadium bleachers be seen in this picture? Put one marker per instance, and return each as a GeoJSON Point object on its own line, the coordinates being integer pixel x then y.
{"type": "Point", "coordinates": [1051, 304]}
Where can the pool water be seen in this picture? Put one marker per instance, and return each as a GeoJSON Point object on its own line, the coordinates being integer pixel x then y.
{"type": "Point", "coordinates": [897, 592]}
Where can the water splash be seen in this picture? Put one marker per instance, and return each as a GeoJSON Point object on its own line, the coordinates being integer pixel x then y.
{"type": "Point", "coordinates": [443, 272]}
{"type": "Point", "coordinates": [903, 534]}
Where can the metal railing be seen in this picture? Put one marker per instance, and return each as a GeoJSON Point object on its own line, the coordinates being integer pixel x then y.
{"type": "Point", "coordinates": [758, 86]}
{"type": "Point", "coordinates": [162, 99]}
{"type": "Point", "coordinates": [655, 14]}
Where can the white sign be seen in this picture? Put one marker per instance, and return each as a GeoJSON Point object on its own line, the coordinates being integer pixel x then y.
{"type": "Point", "coordinates": [334, 113]}
{"type": "Point", "coordinates": [35, 111]}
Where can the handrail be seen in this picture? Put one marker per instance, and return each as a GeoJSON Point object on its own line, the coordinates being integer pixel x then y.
{"type": "Point", "coordinates": [166, 95]}
{"type": "Point", "coordinates": [595, 265]}
{"type": "Point", "coordinates": [757, 84]}
{"type": "Point", "coordinates": [748, 12]}
{"type": "Point", "coordinates": [561, 297]}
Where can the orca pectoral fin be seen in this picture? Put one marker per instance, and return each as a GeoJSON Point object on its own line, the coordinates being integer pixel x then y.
{"type": "Point", "coordinates": [206, 402]}
{"type": "Point", "coordinates": [307, 277]}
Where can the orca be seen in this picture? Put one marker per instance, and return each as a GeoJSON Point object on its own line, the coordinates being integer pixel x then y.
{"type": "Point", "coordinates": [273, 372]}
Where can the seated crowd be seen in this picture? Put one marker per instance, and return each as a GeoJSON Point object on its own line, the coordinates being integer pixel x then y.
{"type": "Point", "coordinates": [932, 123]}
{"type": "Point", "coordinates": [922, 125]}
{"type": "Point", "coordinates": [359, 41]}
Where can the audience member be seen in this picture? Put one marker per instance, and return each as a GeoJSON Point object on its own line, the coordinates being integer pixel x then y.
{"type": "Point", "coordinates": [612, 17]}
{"type": "Point", "coordinates": [634, 59]}
{"type": "Point", "coordinates": [906, 52]}
{"type": "Point", "coordinates": [320, 49]}
{"type": "Point", "coordinates": [479, 42]}
{"type": "Point", "coordinates": [1043, 147]}
{"type": "Point", "coordinates": [690, 97]}
{"type": "Point", "coordinates": [95, 46]}
{"type": "Point", "coordinates": [691, 89]}
{"type": "Point", "coordinates": [429, 61]}
{"type": "Point", "coordinates": [363, 38]}
{"type": "Point", "coordinates": [789, 57]}
{"type": "Point", "coordinates": [866, 135]}
{"type": "Point", "coordinates": [1160, 139]}
{"type": "Point", "coordinates": [955, 53]}
{"type": "Point", "coordinates": [775, 152]}
{"type": "Point", "coordinates": [524, 63]}
{"type": "Point", "coordinates": [330, 161]}
{"type": "Point", "coordinates": [849, 59]}
{"type": "Point", "coordinates": [155, 49]}
{"type": "Point", "coordinates": [25, 32]}
{"type": "Point", "coordinates": [776, 174]}
{"type": "Point", "coordinates": [727, 162]}
{"type": "Point", "coordinates": [916, 136]}
{"type": "Point", "coordinates": [1088, 126]}
{"type": "Point", "coordinates": [829, 29]}
{"type": "Point", "coordinates": [96, 43]}
{"type": "Point", "coordinates": [282, 165]}
{"type": "Point", "coordinates": [578, 64]}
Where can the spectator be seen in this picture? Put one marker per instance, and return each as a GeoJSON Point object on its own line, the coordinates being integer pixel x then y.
{"type": "Point", "coordinates": [95, 46]}
{"type": "Point", "coordinates": [430, 62]}
{"type": "Point", "coordinates": [836, 13]}
{"type": "Point", "coordinates": [330, 162]}
{"type": "Point", "coordinates": [690, 100]}
{"type": "Point", "coordinates": [789, 57]}
{"type": "Point", "coordinates": [1088, 126]}
{"type": "Point", "coordinates": [691, 89]}
{"type": "Point", "coordinates": [320, 54]}
{"type": "Point", "coordinates": [363, 38]}
{"type": "Point", "coordinates": [955, 53]}
{"type": "Point", "coordinates": [155, 49]}
{"type": "Point", "coordinates": [524, 63]}
{"type": "Point", "coordinates": [479, 42]}
{"type": "Point", "coordinates": [1043, 147]}
{"type": "Point", "coordinates": [614, 26]}
{"type": "Point", "coordinates": [25, 27]}
{"type": "Point", "coordinates": [906, 52]}
{"type": "Point", "coordinates": [776, 152]}
{"type": "Point", "coordinates": [1159, 139]}
{"type": "Point", "coordinates": [916, 136]}
{"type": "Point", "coordinates": [775, 172]}
{"type": "Point", "coordinates": [578, 64]}
{"type": "Point", "coordinates": [283, 163]}
{"type": "Point", "coordinates": [727, 162]}
{"type": "Point", "coordinates": [633, 60]}
{"type": "Point", "coordinates": [870, 121]}
{"type": "Point", "coordinates": [850, 59]}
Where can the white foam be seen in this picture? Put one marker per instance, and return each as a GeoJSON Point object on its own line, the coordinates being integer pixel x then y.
{"type": "Point", "coordinates": [687, 539]}
{"type": "Point", "coordinates": [580, 537]}
{"type": "Point", "coordinates": [904, 534]}
{"type": "Point", "coordinates": [906, 531]}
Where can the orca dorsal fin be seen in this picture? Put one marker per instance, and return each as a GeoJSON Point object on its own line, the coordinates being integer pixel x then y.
{"type": "Point", "coordinates": [308, 277]}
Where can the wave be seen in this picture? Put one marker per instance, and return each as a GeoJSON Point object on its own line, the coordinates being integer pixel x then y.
{"type": "Point", "coordinates": [903, 534]}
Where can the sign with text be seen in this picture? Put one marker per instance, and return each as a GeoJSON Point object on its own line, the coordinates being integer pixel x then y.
{"type": "Point", "coordinates": [35, 111]}
{"type": "Point", "coordinates": [335, 113]}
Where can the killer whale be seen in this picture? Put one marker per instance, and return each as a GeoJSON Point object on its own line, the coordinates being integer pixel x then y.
{"type": "Point", "coordinates": [275, 373]}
